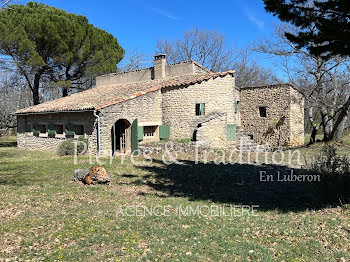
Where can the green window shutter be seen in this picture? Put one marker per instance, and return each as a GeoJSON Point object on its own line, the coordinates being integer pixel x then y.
{"type": "Point", "coordinates": [140, 133]}
{"type": "Point", "coordinates": [134, 136]}
{"type": "Point", "coordinates": [36, 131]}
{"type": "Point", "coordinates": [236, 106]}
{"type": "Point", "coordinates": [164, 132]}
{"type": "Point", "coordinates": [69, 130]}
{"type": "Point", "coordinates": [29, 128]}
{"type": "Point", "coordinates": [51, 130]}
{"type": "Point", "coordinates": [202, 109]}
{"type": "Point", "coordinates": [231, 132]}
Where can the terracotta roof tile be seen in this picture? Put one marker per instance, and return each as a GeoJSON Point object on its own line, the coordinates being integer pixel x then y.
{"type": "Point", "coordinates": [104, 96]}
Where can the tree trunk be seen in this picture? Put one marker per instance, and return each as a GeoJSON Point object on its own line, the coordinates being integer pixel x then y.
{"type": "Point", "coordinates": [339, 125]}
{"type": "Point", "coordinates": [338, 132]}
{"type": "Point", "coordinates": [35, 90]}
{"type": "Point", "coordinates": [326, 124]}
{"type": "Point", "coordinates": [314, 126]}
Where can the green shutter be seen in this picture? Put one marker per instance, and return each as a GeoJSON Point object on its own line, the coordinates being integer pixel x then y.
{"type": "Point", "coordinates": [51, 130]}
{"type": "Point", "coordinates": [140, 133]}
{"type": "Point", "coordinates": [201, 109]}
{"type": "Point", "coordinates": [69, 130]}
{"type": "Point", "coordinates": [134, 136]}
{"type": "Point", "coordinates": [231, 132]}
{"type": "Point", "coordinates": [29, 128]}
{"type": "Point", "coordinates": [36, 131]}
{"type": "Point", "coordinates": [164, 132]}
{"type": "Point", "coordinates": [236, 106]}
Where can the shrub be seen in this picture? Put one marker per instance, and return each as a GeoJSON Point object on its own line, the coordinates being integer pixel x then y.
{"type": "Point", "coordinates": [67, 146]}
{"type": "Point", "coordinates": [334, 172]}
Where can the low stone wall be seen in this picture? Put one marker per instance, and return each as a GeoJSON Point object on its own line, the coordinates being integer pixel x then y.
{"type": "Point", "coordinates": [38, 143]}
{"type": "Point", "coordinates": [26, 140]}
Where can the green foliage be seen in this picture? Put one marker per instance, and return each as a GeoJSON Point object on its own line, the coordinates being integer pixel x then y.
{"type": "Point", "coordinates": [67, 146]}
{"type": "Point", "coordinates": [323, 25]}
{"type": "Point", "coordinates": [182, 140]}
{"type": "Point", "coordinates": [44, 40]}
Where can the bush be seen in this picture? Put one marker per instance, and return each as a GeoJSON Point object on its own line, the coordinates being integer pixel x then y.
{"type": "Point", "coordinates": [66, 148]}
{"type": "Point", "coordinates": [334, 172]}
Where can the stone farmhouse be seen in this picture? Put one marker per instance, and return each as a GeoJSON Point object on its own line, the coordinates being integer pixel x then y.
{"type": "Point", "coordinates": [177, 101]}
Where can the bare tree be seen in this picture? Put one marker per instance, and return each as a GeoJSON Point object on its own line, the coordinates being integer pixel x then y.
{"type": "Point", "coordinates": [206, 47]}
{"type": "Point", "coordinates": [249, 73]}
{"type": "Point", "coordinates": [6, 3]}
{"type": "Point", "coordinates": [13, 95]}
{"type": "Point", "coordinates": [322, 80]}
{"type": "Point", "coordinates": [210, 49]}
{"type": "Point", "coordinates": [133, 60]}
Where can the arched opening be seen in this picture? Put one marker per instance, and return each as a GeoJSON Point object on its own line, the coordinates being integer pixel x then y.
{"type": "Point", "coordinates": [120, 134]}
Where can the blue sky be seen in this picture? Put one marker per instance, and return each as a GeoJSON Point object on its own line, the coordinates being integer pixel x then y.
{"type": "Point", "coordinates": [138, 24]}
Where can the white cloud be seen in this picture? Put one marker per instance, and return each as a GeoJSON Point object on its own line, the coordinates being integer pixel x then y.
{"type": "Point", "coordinates": [255, 20]}
{"type": "Point", "coordinates": [164, 13]}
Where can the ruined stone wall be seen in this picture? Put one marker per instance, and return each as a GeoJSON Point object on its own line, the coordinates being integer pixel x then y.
{"type": "Point", "coordinates": [26, 140]}
{"type": "Point", "coordinates": [146, 108]}
{"type": "Point", "coordinates": [283, 124]}
{"type": "Point", "coordinates": [179, 103]}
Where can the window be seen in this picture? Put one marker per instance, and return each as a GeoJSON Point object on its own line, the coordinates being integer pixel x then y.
{"type": "Point", "coordinates": [262, 111]}
{"type": "Point", "coordinates": [236, 106]}
{"type": "Point", "coordinates": [200, 109]}
{"type": "Point", "coordinates": [59, 129]}
{"type": "Point", "coordinates": [42, 129]}
{"type": "Point", "coordinates": [148, 131]}
{"type": "Point", "coordinates": [79, 130]}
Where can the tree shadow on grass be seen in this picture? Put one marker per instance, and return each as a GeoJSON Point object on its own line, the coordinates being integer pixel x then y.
{"type": "Point", "coordinates": [234, 184]}
{"type": "Point", "coordinates": [8, 143]}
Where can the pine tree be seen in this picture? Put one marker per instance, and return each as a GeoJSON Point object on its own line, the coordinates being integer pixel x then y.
{"type": "Point", "coordinates": [46, 42]}
{"type": "Point", "coordinates": [329, 20]}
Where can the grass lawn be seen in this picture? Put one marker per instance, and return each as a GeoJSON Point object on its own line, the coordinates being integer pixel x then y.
{"type": "Point", "coordinates": [45, 216]}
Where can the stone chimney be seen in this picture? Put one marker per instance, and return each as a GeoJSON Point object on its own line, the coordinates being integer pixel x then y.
{"type": "Point", "coordinates": [159, 66]}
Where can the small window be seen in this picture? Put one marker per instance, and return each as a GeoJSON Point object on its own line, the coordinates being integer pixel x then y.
{"type": "Point", "coordinates": [262, 111]}
{"type": "Point", "coordinates": [236, 106]}
{"type": "Point", "coordinates": [79, 130]}
{"type": "Point", "coordinates": [59, 129]}
{"type": "Point", "coordinates": [148, 131]}
{"type": "Point", "coordinates": [200, 109]}
{"type": "Point", "coordinates": [42, 129]}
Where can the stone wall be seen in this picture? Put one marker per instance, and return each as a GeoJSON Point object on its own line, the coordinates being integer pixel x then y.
{"type": "Point", "coordinates": [212, 131]}
{"type": "Point", "coordinates": [148, 74]}
{"type": "Point", "coordinates": [297, 118]}
{"type": "Point", "coordinates": [179, 103]}
{"type": "Point", "coordinates": [146, 108]}
{"type": "Point", "coordinates": [26, 140]}
{"type": "Point", "coordinates": [283, 124]}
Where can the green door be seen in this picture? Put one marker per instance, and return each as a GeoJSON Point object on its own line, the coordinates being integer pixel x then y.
{"type": "Point", "coordinates": [134, 136]}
